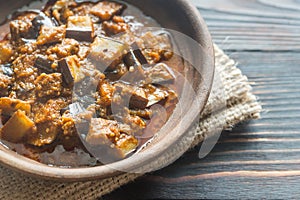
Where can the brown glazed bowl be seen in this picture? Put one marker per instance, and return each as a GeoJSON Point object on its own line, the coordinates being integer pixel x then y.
{"type": "Point", "coordinates": [178, 15]}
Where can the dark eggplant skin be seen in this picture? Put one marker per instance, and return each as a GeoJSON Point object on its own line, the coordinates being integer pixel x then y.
{"type": "Point", "coordinates": [40, 19]}
{"type": "Point", "coordinates": [135, 57]}
{"type": "Point", "coordinates": [43, 65]}
{"type": "Point", "coordinates": [64, 69]}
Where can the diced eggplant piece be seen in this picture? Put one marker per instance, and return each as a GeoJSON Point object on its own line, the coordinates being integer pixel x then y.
{"type": "Point", "coordinates": [80, 28]}
{"type": "Point", "coordinates": [71, 131]}
{"type": "Point", "coordinates": [137, 96]}
{"type": "Point", "coordinates": [133, 75]}
{"type": "Point", "coordinates": [68, 124]}
{"type": "Point", "coordinates": [6, 52]}
{"type": "Point", "coordinates": [138, 54]}
{"type": "Point", "coordinates": [135, 57]}
{"type": "Point", "coordinates": [106, 53]}
{"type": "Point", "coordinates": [130, 59]}
{"type": "Point", "coordinates": [50, 35]}
{"type": "Point", "coordinates": [49, 85]}
{"type": "Point", "coordinates": [9, 106]}
{"type": "Point", "coordinates": [71, 70]}
{"type": "Point", "coordinates": [126, 144]}
{"type": "Point", "coordinates": [22, 26]}
{"type": "Point", "coordinates": [141, 98]}
{"type": "Point", "coordinates": [40, 20]}
{"type": "Point", "coordinates": [105, 10]}
{"type": "Point", "coordinates": [157, 47]}
{"type": "Point", "coordinates": [102, 131]}
{"type": "Point", "coordinates": [75, 119]}
{"type": "Point", "coordinates": [44, 65]}
{"type": "Point", "coordinates": [116, 74]}
{"type": "Point", "coordinates": [106, 92]}
{"type": "Point", "coordinates": [138, 100]}
{"type": "Point", "coordinates": [45, 134]}
{"type": "Point", "coordinates": [18, 126]}
{"type": "Point", "coordinates": [5, 82]}
{"type": "Point", "coordinates": [67, 72]}
{"type": "Point", "coordinates": [48, 121]}
{"type": "Point", "coordinates": [20, 29]}
{"type": "Point", "coordinates": [107, 133]}
{"type": "Point", "coordinates": [155, 95]}
{"type": "Point", "coordinates": [113, 28]}
{"type": "Point", "coordinates": [160, 73]}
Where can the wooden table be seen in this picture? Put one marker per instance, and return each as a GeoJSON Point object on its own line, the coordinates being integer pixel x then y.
{"type": "Point", "coordinates": [259, 159]}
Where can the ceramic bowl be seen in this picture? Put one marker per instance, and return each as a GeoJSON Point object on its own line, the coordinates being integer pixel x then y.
{"type": "Point", "coordinates": [178, 15]}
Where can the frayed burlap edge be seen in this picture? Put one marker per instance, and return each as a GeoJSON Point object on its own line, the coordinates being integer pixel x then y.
{"type": "Point", "coordinates": [231, 102]}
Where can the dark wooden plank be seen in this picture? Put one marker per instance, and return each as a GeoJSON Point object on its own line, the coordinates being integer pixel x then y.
{"type": "Point", "coordinates": [265, 25]}
{"type": "Point", "coordinates": [213, 188]}
{"type": "Point", "coordinates": [259, 159]}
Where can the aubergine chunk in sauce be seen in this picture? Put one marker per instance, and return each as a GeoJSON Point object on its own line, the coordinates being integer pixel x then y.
{"type": "Point", "coordinates": [105, 10]}
{"type": "Point", "coordinates": [47, 118]}
{"type": "Point", "coordinates": [21, 28]}
{"type": "Point", "coordinates": [136, 96]}
{"type": "Point", "coordinates": [109, 133]}
{"type": "Point", "coordinates": [106, 53]}
{"type": "Point", "coordinates": [71, 70]}
{"type": "Point", "coordinates": [8, 106]}
{"type": "Point", "coordinates": [79, 77]}
{"type": "Point", "coordinates": [157, 47]}
{"type": "Point", "coordinates": [44, 65]}
{"type": "Point", "coordinates": [50, 35]}
{"type": "Point", "coordinates": [80, 28]}
{"type": "Point", "coordinates": [117, 25]}
{"type": "Point", "coordinates": [17, 127]}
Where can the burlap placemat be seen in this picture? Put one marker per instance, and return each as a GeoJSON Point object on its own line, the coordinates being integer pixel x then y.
{"type": "Point", "coordinates": [230, 102]}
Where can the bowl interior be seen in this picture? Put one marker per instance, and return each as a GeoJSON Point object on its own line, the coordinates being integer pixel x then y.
{"type": "Point", "coordinates": [177, 15]}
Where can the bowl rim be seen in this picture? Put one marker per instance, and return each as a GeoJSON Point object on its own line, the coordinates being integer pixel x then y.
{"type": "Point", "coordinates": [33, 168]}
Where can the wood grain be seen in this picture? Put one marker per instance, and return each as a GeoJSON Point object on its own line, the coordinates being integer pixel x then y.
{"type": "Point", "coordinates": [258, 159]}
